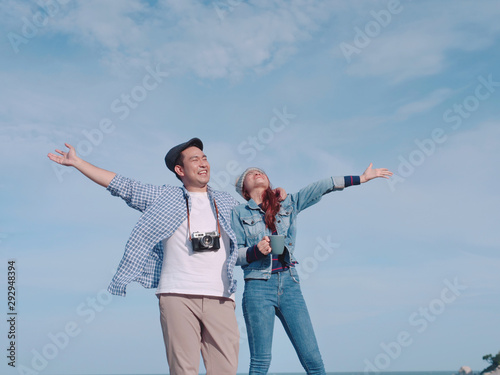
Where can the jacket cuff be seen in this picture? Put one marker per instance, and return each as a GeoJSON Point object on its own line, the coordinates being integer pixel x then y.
{"type": "Point", "coordinates": [242, 257]}
{"type": "Point", "coordinates": [253, 254]}
{"type": "Point", "coordinates": [352, 180]}
{"type": "Point", "coordinates": [338, 182]}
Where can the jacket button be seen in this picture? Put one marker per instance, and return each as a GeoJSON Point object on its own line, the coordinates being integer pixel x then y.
{"type": "Point", "coordinates": [279, 221]}
{"type": "Point", "coordinates": [290, 244]}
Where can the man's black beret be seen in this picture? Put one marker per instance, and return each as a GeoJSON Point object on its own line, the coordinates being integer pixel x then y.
{"type": "Point", "coordinates": [174, 152]}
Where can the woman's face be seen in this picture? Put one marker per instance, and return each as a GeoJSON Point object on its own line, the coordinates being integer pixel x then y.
{"type": "Point", "coordinates": [255, 179]}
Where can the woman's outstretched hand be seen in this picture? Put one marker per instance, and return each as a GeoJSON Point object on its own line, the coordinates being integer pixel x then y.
{"type": "Point", "coordinates": [264, 245]}
{"type": "Point", "coordinates": [370, 173]}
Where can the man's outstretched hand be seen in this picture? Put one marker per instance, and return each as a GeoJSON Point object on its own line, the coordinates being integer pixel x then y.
{"type": "Point", "coordinates": [370, 173]}
{"type": "Point", "coordinates": [70, 159]}
{"type": "Point", "coordinates": [281, 193]}
{"type": "Point", "coordinates": [65, 158]}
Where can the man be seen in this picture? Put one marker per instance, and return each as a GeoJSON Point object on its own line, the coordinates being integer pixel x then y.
{"type": "Point", "coordinates": [184, 246]}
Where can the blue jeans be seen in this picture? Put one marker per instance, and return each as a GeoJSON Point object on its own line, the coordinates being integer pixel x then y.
{"type": "Point", "coordinates": [279, 296]}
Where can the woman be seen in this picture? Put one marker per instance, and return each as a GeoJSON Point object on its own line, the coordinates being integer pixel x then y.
{"type": "Point", "coordinates": [271, 281]}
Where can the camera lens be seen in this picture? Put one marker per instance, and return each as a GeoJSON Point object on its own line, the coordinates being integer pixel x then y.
{"type": "Point", "coordinates": [207, 241]}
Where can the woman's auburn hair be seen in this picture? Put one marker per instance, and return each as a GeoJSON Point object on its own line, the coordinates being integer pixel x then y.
{"type": "Point", "coordinates": [270, 205]}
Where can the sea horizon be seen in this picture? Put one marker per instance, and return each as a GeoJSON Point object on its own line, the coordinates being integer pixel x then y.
{"type": "Point", "coordinates": [441, 372]}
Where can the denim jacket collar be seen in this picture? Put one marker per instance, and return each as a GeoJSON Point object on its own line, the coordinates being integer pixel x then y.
{"type": "Point", "coordinates": [253, 205]}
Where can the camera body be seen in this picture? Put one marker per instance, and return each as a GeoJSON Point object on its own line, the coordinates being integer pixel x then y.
{"type": "Point", "coordinates": [205, 241]}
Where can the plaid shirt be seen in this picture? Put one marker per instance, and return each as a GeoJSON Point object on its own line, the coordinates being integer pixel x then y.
{"type": "Point", "coordinates": [163, 211]}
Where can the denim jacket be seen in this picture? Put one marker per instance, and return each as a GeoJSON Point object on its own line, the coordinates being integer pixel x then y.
{"type": "Point", "coordinates": [249, 226]}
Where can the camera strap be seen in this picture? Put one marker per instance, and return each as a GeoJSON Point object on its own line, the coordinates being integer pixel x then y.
{"type": "Point", "coordinates": [217, 217]}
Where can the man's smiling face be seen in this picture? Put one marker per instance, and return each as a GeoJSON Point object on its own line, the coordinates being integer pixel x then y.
{"type": "Point", "coordinates": [195, 172]}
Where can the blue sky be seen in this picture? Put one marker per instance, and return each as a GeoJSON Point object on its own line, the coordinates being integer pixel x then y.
{"type": "Point", "coordinates": [398, 276]}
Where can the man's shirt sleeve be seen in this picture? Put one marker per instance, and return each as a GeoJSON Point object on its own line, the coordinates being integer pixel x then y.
{"type": "Point", "coordinates": [136, 194]}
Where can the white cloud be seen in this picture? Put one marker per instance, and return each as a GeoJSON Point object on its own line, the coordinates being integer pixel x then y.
{"type": "Point", "coordinates": [192, 37]}
{"type": "Point", "coordinates": [425, 104]}
{"type": "Point", "coordinates": [411, 46]}
{"type": "Point", "coordinates": [401, 56]}
{"type": "Point", "coordinates": [111, 24]}
{"type": "Point", "coordinates": [12, 12]}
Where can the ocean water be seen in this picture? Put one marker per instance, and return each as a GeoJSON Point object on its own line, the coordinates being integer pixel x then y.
{"type": "Point", "coordinates": [371, 373]}
{"type": "Point", "coordinates": [342, 373]}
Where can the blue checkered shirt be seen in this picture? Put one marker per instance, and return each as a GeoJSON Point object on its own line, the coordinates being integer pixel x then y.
{"type": "Point", "coordinates": [163, 211]}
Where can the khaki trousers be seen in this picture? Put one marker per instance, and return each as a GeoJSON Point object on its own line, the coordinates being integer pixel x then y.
{"type": "Point", "coordinates": [191, 324]}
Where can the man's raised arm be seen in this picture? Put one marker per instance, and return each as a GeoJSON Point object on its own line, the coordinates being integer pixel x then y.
{"type": "Point", "coordinates": [70, 159]}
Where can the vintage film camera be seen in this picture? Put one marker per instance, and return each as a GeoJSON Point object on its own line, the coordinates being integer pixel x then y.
{"type": "Point", "coordinates": [205, 241]}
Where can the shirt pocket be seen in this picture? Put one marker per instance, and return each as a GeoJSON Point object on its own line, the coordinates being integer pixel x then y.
{"type": "Point", "coordinates": [254, 229]}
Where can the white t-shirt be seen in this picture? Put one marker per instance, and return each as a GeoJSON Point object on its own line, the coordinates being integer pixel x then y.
{"type": "Point", "coordinates": [192, 272]}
